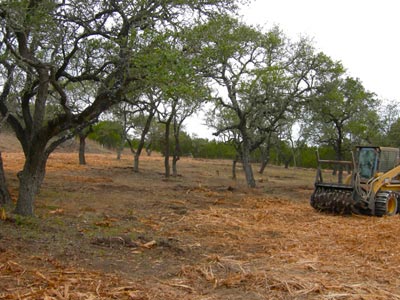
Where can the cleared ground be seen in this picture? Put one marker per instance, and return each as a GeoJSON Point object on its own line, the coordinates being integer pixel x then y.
{"type": "Point", "coordinates": [104, 232]}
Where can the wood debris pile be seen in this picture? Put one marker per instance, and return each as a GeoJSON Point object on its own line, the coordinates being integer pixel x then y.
{"type": "Point", "coordinates": [21, 281]}
{"type": "Point", "coordinates": [277, 249]}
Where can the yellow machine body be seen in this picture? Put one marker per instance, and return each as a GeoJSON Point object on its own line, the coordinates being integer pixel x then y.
{"type": "Point", "coordinates": [373, 187]}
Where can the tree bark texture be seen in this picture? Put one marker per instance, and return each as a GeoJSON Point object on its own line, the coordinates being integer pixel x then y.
{"type": "Point", "coordinates": [287, 162]}
{"type": "Point", "coordinates": [30, 180]}
{"type": "Point", "coordinates": [82, 147]}
{"type": "Point", "coordinates": [166, 150]}
{"type": "Point", "coordinates": [234, 163]}
{"type": "Point", "coordinates": [265, 154]}
{"type": "Point", "coordinates": [174, 165]}
{"type": "Point", "coordinates": [247, 166]}
{"type": "Point", "coordinates": [119, 153]}
{"type": "Point", "coordinates": [339, 155]}
{"type": "Point", "coordinates": [121, 147]}
{"type": "Point", "coordinates": [149, 150]}
{"type": "Point", "coordinates": [264, 164]}
{"type": "Point", "coordinates": [141, 143]}
{"type": "Point", "coordinates": [5, 197]}
{"type": "Point", "coordinates": [177, 151]}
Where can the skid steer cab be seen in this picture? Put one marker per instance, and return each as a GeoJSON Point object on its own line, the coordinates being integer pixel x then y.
{"type": "Point", "coordinates": [368, 184]}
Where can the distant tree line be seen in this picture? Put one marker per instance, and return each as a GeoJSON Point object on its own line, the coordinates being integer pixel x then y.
{"type": "Point", "coordinates": [303, 155]}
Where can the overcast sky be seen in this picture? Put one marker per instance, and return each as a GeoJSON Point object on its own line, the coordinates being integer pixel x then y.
{"type": "Point", "coordinates": [363, 34]}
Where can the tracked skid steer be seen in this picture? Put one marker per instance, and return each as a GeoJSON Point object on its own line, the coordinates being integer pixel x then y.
{"type": "Point", "coordinates": [371, 188]}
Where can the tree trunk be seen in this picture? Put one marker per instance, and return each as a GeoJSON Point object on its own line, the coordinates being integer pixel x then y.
{"type": "Point", "coordinates": [264, 164]}
{"type": "Point", "coordinates": [177, 149]}
{"type": "Point", "coordinates": [287, 162]}
{"type": "Point", "coordinates": [174, 165]}
{"type": "Point", "coordinates": [166, 149]}
{"type": "Point", "coordinates": [149, 150]}
{"type": "Point", "coordinates": [294, 157]}
{"type": "Point", "coordinates": [292, 148]}
{"type": "Point", "coordinates": [175, 158]}
{"type": "Point", "coordinates": [30, 180]}
{"type": "Point", "coordinates": [234, 163]}
{"type": "Point", "coordinates": [339, 156]}
{"type": "Point", "coordinates": [340, 174]}
{"type": "Point", "coordinates": [265, 154]}
{"type": "Point", "coordinates": [136, 160]}
{"type": "Point", "coordinates": [141, 143]}
{"type": "Point", "coordinates": [83, 134]}
{"type": "Point", "coordinates": [121, 147]}
{"type": "Point", "coordinates": [119, 152]}
{"type": "Point", "coordinates": [82, 147]}
{"type": "Point", "coordinates": [5, 197]}
{"type": "Point", "coordinates": [247, 166]}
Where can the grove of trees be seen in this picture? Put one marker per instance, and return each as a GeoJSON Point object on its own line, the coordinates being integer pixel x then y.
{"type": "Point", "coordinates": [143, 67]}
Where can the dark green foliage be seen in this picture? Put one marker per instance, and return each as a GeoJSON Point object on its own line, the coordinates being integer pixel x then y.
{"type": "Point", "coordinates": [108, 133]}
{"type": "Point", "coordinates": [190, 147]}
{"type": "Point", "coordinates": [203, 148]}
{"type": "Point", "coordinates": [393, 136]}
{"type": "Point", "coordinates": [344, 114]}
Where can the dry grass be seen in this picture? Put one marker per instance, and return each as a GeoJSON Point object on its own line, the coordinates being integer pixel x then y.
{"type": "Point", "coordinates": [103, 232]}
{"type": "Point", "coordinates": [281, 250]}
{"type": "Point", "coordinates": [62, 283]}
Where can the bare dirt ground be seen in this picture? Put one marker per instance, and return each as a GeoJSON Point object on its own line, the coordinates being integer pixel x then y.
{"type": "Point", "coordinates": [104, 232]}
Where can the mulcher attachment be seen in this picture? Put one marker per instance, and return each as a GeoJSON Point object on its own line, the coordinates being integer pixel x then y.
{"type": "Point", "coordinates": [371, 188]}
{"type": "Point", "coordinates": [332, 198]}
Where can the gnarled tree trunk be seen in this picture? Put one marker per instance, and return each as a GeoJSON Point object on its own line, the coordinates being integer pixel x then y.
{"type": "Point", "coordinates": [142, 142]}
{"type": "Point", "coordinates": [166, 150]}
{"type": "Point", "coordinates": [265, 153]}
{"type": "Point", "coordinates": [30, 180]}
{"type": "Point", "coordinates": [82, 148]}
{"type": "Point", "coordinates": [177, 150]}
{"type": "Point", "coordinates": [234, 163]}
{"type": "Point", "coordinates": [175, 159]}
{"type": "Point", "coordinates": [248, 171]}
{"type": "Point", "coordinates": [5, 197]}
{"type": "Point", "coordinates": [264, 164]}
{"type": "Point", "coordinates": [167, 144]}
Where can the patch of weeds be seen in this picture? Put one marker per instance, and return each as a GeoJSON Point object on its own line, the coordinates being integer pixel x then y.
{"type": "Point", "coordinates": [111, 232]}
{"type": "Point", "coordinates": [268, 189]}
{"type": "Point", "coordinates": [27, 222]}
{"type": "Point", "coordinates": [59, 221]}
{"type": "Point", "coordinates": [131, 215]}
{"type": "Point", "coordinates": [51, 195]}
{"type": "Point", "coordinates": [107, 231]}
{"type": "Point", "coordinates": [88, 209]}
{"type": "Point", "coordinates": [25, 228]}
{"type": "Point", "coordinates": [47, 206]}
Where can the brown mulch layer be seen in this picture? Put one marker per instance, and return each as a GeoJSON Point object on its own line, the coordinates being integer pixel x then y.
{"type": "Point", "coordinates": [20, 280]}
{"type": "Point", "coordinates": [191, 238]}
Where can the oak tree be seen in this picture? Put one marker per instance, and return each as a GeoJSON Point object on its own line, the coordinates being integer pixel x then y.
{"type": "Point", "coordinates": [343, 114]}
{"type": "Point", "coordinates": [57, 44]}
